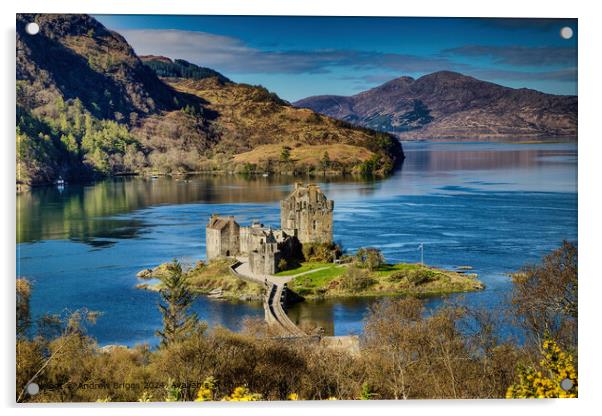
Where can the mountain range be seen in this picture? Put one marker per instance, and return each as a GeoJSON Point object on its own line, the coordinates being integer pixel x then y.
{"type": "Point", "coordinates": [449, 105]}
{"type": "Point", "coordinates": [88, 106]}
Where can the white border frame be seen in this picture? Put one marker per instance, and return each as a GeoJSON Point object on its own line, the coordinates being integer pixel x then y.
{"type": "Point", "coordinates": [590, 149]}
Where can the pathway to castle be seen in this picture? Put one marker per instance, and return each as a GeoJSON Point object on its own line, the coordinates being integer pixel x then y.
{"type": "Point", "coordinates": [275, 315]}
{"type": "Point", "coordinates": [274, 298]}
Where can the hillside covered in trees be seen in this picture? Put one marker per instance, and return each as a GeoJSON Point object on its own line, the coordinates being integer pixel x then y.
{"type": "Point", "coordinates": [88, 106]}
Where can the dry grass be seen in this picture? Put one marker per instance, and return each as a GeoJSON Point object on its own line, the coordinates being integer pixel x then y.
{"type": "Point", "coordinates": [307, 155]}
{"type": "Point", "coordinates": [216, 275]}
{"type": "Point", "coordinates": [204, 278]}
{"type": "Point", "coordinates": [254, 126]}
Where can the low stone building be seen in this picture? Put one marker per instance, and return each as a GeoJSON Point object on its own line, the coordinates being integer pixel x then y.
{"type": "Point", "coordinates": [222, 237]}
{"type": "Point", "coordinates": [306, 217]}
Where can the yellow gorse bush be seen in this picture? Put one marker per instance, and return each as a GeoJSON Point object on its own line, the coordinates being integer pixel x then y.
{"type": "Point", "coordinates": [206, 391]}
{"type": "Point", "coordinates": [534, 383]}
{"type": "Point", "coordinates": [242, 394]}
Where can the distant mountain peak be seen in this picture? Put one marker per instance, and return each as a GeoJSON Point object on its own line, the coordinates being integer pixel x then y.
{"type": "Point", "coordinates": [451, 105]}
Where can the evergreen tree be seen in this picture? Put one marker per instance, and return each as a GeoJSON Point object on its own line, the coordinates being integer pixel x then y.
{"type": "Point", "coordinates": [325, 162]}
{"type": "Point", "coordinates": [176, 299]}
{"type": "Point", "coordinates": [285, 154]}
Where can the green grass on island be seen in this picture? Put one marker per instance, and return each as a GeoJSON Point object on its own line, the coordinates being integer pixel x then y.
{"type": "Point", "coordinates": [305, 267]}
{"type": "Point", "coordinates": [324, 280]}
{"type": "Point", "coordinates": [333, 280]}
{"type": "Point", "coordinates": [213, 278]}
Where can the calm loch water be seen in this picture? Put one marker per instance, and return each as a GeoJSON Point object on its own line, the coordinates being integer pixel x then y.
{"type": "Point", "coordinates": [492, 206]}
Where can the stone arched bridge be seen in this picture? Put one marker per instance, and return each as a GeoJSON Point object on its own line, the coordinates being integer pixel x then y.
{"type": "Point", "coordinates": [274, 299]}
{"type": "Point", "coordinates": [274, 302]}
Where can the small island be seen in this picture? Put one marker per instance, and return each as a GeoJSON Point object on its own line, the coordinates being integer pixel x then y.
{"type": "Point", "coordinates": [302, 258]}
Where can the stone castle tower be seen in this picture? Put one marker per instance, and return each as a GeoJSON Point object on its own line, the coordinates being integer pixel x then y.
{"type": "Point", "coordinates": [307, 214]}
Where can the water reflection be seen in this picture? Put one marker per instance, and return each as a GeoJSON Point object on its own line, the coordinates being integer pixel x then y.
{"type": "Point", "coordinates": [87, 212]}
{"type": "Point", "coordinates": [443, 157]}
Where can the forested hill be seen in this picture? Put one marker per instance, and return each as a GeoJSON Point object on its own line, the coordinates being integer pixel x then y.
{"type": "Point", "coordinates": [179, 68]}
{"type": "Point", "coordinates": [88, 106]}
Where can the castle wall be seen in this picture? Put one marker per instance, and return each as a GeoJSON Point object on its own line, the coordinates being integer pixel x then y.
{"type": "Point", "coordinates": [265, 259]}
{"type": "Point", "coordinates": [213, 242]}
{"type": "Point", "coordinates": [307, 214]}
{"type": "Point", "coordinates": [251, 238]}
{"type": "Point", "coordinates": [245, 235]}
{"type": "Point", "coordinates": [231, 240]}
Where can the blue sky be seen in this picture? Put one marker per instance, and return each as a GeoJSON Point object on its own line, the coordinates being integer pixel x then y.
{"type": "Point", "coordinates": [301, 56]}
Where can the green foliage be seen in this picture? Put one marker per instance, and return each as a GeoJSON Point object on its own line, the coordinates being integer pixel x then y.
{"type": "Point", "coordinates": [369, 257]}
{"type": "Point", "coordinates": [104, 145]}
{"type": "Point", "coordinates": [356, 279]}
{"type": "Point", "coordinates": [180, 68]}
{"type": "Point", "coordinates": [249, 168]}
{"type": "Point", "coordinates": [321, 252]}
{"type": "Point", "coordinates": [176, 300]}
{"type": "Point", "coordinates": [370, 167]}
{"type": "Point", "coordinates": [366, 393]}
{"type": "Point", "coordinates": [325, 162]}
{"type": "Point", "coordinates": [285, 154]}
{"type": "Point", "coordinates": [555, 368]}
{"type": "Point", "coordinates": [173, 393]}
{"type": "Point", "coordinates": [421, 276]}
{"type": "Point", "coordinates": [68, 141]}
{"type": "Point", "coordinates": [282, 264]}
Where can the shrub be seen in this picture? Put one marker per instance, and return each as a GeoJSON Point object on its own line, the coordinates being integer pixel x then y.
{"type": "Point", "coordinates": [398, 276]}
{"type": "Point", "coordinates": [282, 264]}
{"type": "Point", "coordinates": [369, 257]}
{"type": "Point", "coordinates": [321, 252]}
{"type": "Point", "coordinates": [421, 276]}
{"type": "Point", "coordinates": [356, 279]}
{"type": "Point", "coordinates": [557, 367]}
{"type": "Point", "coordinates": [544, 297]}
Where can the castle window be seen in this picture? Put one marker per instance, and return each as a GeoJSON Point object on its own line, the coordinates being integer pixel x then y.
{"type": "Point", "coordinates": [315, 224]}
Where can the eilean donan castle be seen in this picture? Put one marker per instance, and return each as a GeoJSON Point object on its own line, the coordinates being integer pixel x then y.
{"type": "Point", "coordinates": [305, 218]}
